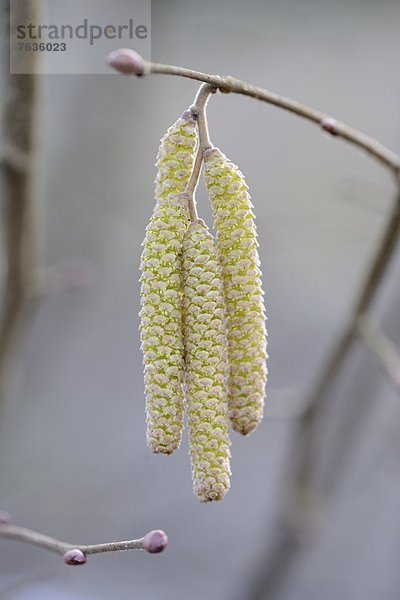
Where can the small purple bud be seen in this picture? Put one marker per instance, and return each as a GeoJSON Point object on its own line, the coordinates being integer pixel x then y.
{"type": "Point", "coordinates": [75, 557]}
{"type": "Point", "coordinates": [155, 541]}
{"type": "Point", "coordinates": [330, 125]}
{"type": "Point", "coordinates": [210, 152]}
{"type": "Point", "coordinates": [187, 115]}
{"type": "Point", "coordinates": [5, 518]}
{"type": "Point", "coordinates": [126, 61]}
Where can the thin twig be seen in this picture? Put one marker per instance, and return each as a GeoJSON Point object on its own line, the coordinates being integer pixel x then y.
{"type": "Point", "coordinates": [17, 157]}
{"type": "Point", "coordinates": [367, 294]}
{"type": "Point", "coordinates": [383, 348]}
{"type": "Point", "coordinates": [272, 572]}
{"type": "Point", "coordinates": [336, 128]}
{"type": "Point", "coordinates": [153, 542]}
{"type": "Point", "coordinates": [29, 536]}
{"type": "Point", "coordinates": [189, 192]}
{"type": "Point", "coordinates": [198, 110]}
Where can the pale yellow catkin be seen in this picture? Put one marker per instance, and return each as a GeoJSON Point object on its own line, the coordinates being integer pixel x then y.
{"type": "Point", "coordinates": [161, 289]}
{"type": "Point", "coordinates": [238, 254]}
{"type": "Point", "coordinates": [205, 364]}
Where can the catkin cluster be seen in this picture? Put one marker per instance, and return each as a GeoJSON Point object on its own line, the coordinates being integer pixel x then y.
{"type": "Point", "coordinates": [202, 325]}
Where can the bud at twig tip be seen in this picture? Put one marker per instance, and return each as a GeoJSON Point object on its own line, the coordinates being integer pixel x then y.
{"type": "Point", "coordinates": [5, 518]}
{"type": "Point", "coordinates": [155, 541]}
{"type": "Point", "coordinates": [75, 557]}
{"type": "Point", "coordinates": [126, 61]}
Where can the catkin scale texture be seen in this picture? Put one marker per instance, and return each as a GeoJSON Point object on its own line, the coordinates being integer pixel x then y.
{"type": "Point", "coordinates": [161, 289]}
{"type": "Point", "coordinates": [238, 255]}
{"type": "Point", "coordinates": [205, 364]}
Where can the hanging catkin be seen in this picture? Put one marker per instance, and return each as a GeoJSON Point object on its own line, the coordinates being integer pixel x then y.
{"type": "Point", "coordinates": [161, 289]}
{"type": "Point", "coordinates": [205, 364]}
{"type": "Point", "coordinates": [238, 254]}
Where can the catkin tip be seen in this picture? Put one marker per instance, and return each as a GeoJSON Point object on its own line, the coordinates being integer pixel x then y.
{"type": "Point", "coordinates": [244, 429]}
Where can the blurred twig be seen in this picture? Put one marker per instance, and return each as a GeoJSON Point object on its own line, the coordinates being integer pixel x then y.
{"type": "Point", "coordinates": [278, 560]}
{"type": "Point", "coordinates": [16, 164]}
{"type": "Point", "coordinates": [383, 348]}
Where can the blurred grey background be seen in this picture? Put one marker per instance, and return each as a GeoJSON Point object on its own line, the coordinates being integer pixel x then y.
{"type": "Point", "coordinates": [73, 457]}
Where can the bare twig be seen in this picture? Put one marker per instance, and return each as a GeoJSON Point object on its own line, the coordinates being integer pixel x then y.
{"type": "Point", "coordinates": [16, 162]}
{"type": "Point", "coordinates": [383, 348]}
{"type": "Point", "coordinates": [153, 542]}
{"type": "Point", "coordinates": [273, 572]}
{"type": "Point", "coordinates": [198, 110]}
{"type": "Point", "coordinates": [134, 64]}
{"type": "Point", "coordinates": [367, 294]}
{"type": "Point", "coordinates": [337, 128]}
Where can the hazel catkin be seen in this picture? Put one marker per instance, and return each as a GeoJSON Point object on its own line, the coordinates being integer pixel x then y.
{"type": "Point", "coordinates": [238, 255]}
{"type": "Point", "coordinates": [161, 289]}
{"type": "Point", "coordinates": [205, 364]}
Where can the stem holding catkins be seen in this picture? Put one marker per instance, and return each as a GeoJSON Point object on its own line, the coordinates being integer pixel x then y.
{"type": "Point", "coordinates": [136, 65]}
{"type": "Point", "coordinates": [198, 112]}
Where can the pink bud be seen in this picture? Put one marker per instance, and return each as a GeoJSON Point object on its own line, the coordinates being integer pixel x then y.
{"type": "Point", "coordinates": [155, 541]}
{"type": "Point", "coordinates": [5, 518]}
{"type": "Point", "coordinates": [75, 557]}
{"type": "Point", "coordinates": [126, 61]}
{"type": "Point", "coordinates": [330, 125]}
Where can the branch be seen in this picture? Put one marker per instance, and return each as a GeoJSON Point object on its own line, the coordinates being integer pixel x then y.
{"type": "Point", "coordinates": [75, 554]}
{"type": "Point", "coordinates": [16, 164]}
{"type": "Point", "coordinates": [283, 554]}
{"type": "Point", "coordinates": [129, 62]}
{"type": "Point", "coordinates": [198, 110]}
{"type": "Point", "coordinates": [274, 570]}
{"type": "Point", "coordinates": [384, 350]}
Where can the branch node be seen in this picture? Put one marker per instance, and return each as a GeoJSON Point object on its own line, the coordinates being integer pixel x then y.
{"type": "Point", "coordinates": [330, 126]}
